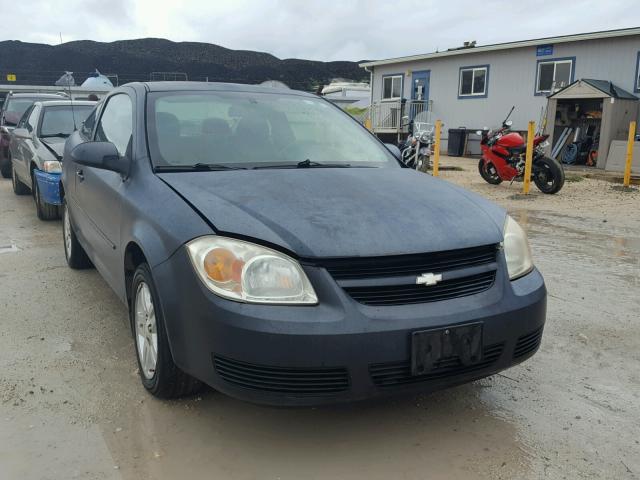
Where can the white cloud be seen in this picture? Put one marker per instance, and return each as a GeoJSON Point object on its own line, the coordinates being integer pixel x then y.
{"type": "Point", "coordinates": [321, 30]}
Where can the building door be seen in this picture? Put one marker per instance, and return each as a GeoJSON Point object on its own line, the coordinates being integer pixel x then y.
{"type": "Point", "coordinates": [419, 93]}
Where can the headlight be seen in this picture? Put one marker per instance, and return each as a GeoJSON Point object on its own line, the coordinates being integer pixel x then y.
{"type": "Point", "coordinates": [246, 272]}
{"type": "Point", "coordinates": [52, 166]}
{"type": "Point", "coordinates": [516, 249]}
{"type": "Point", "coordinates": [544, 144]}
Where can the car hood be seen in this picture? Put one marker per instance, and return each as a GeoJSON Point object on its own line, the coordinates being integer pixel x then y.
{"type": "Point", "coordinates": [334, 212]}
{"type": "Point", "coordinates": [55, 145]}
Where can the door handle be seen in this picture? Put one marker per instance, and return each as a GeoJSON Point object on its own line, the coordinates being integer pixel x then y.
{"type": "Point", "coordinates": [80, 175]}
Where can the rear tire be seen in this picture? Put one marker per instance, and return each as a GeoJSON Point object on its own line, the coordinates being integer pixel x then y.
{"type": "Point", "coordinates": [548, 175]}
{"type": "Point", "coordinates": [74, 253]}
{"type": "Point", "coordinates": [19, 188]}
{"type": "Point", "coordinates": [45, 210]}
{"type": "Point", "coordinates": [489, 173]}
{"type": "Point", "coordinates": [158, 372]}
{"type": "Point", "coordinates": [5, 166]}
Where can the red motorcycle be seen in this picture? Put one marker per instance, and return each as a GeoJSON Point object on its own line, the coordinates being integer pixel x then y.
{"type": "Point", "coordinates": [503, 159]}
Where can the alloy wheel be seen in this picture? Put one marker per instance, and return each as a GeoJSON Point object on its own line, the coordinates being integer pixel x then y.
{"type": "Point", "coordinates": [66, 227]}
{"type": "Point", "coordinates": [146, 330]}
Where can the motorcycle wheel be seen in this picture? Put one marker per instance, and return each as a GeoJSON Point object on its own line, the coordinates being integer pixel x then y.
{"type": "Point", "coordinates": [548, 175]}
{"type": "Point", "coordinates": [489, 173]}
{"type": "Point", "coordinates": [424, 163]}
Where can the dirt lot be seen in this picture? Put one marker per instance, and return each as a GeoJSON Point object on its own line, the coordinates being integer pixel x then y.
{"type": "Point", "coordinates": [71, 405]}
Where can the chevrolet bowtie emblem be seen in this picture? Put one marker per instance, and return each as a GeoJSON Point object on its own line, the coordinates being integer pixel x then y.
{"type": "Point", "coordinates": [428, 279]}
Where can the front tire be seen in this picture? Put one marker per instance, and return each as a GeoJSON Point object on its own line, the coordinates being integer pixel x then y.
{"type": "Point", "coordinates": [548, 175]}
{"type": "Point", "coordinates": [74, 253]}
{"type": "Point", "coordinates": [489, 173]}
{"type": "Point", "coordinates": [45, 210]}
{"type": "Point", "coordinates": [424, 163]}
{"type": "Point", "coordinates": [158, 372]}
{"type": "Point", "coordinates": [19, 188]}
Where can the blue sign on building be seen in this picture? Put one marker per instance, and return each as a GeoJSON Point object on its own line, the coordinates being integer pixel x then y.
{"type": "Point", "coordinates": [543, 50]}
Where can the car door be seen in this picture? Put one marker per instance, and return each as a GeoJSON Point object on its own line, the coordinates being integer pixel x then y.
{"type": "Point", "coordinates": [99, 192]}
{"type": "Point", "coordinates": [85, 132]}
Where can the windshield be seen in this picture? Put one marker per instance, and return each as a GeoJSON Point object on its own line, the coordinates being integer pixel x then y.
{"type": "Point", "coordinates": [256, 130]}
{"type": "Point", "coordinates": [15, 109]}
{"type": "Point", "coordinates": [62, 120]}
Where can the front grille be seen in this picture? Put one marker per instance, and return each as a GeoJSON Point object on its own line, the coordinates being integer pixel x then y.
{"type": "Point", "coordinates": [399, 373]}
{"type": "Point", "coordinates": [293, 381]}
{"type": "Point", "coordinates": [528, 343]}
{"type": "Point", "coordinates": [416, 264]}
{"type": "Point", "coordinates": [411, 293]}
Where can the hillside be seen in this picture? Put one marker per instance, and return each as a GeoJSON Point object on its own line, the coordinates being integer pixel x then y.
{"type": "Point", "coordinates": [132, 60]}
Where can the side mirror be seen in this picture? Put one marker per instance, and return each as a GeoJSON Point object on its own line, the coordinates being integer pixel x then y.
{"type": "Point", "coordinates": [102, 155]}
{"type": "Point", "coordinates": [395, 151]}
{"type": "Point", "coordinates": [479, 133]}
{"type": "Point", "coordinates": [21, 133]}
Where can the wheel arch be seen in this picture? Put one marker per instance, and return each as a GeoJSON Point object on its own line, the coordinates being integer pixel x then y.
{"type": "Point", "coordinates": [134, 256]}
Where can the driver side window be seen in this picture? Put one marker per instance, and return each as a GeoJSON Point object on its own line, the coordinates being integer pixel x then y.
{"type": "Point", "coordinates": [116, 123]}
{"type": "Point", "coordinates": [32, 120]}
{"type": "Point", "coordinates": [23, 121]}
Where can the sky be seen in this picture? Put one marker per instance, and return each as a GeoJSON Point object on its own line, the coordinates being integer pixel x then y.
{"type": "Point", "coordinates": [310, 29]}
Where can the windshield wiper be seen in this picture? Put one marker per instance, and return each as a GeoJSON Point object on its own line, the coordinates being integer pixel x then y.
{"type": "Point", "coordinates": [198, 167]}
{"type": "Point", "coordinates": [305, 164]}
{"type": "Point", "coordinates": [52, 135]}
{"type": "Point", "coordinates": [216, 166]}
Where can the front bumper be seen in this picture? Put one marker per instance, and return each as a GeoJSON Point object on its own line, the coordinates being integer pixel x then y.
{"type": "Point", "coordinates": [339, 350]}
{"type": "Point", "coordinates": [49, 185]}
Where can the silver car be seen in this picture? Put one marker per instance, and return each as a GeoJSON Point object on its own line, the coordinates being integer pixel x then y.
{"type": "Point", "coordinates": [36, 147]}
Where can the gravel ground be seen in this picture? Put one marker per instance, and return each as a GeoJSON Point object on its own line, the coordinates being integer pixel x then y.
{"type": "Point", "coordinates": [71, 405]}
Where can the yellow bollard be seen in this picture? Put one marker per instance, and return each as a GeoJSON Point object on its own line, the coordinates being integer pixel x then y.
{"type": "Point", "coordinates": [367, 124]}
{"type": "Point", "coordinates": [436, 148]}
{"type": "Point", "coordinates": [526, 185]}
{"type": "Point", "coordinates": [629, 160]}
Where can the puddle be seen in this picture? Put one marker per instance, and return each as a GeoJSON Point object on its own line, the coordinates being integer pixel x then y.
{"type": "Point", "coordinates": [450, 434]}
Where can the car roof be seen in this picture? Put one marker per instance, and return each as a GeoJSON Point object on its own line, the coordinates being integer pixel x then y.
{"type": "Point", "coordinates": [53, 103]}
{"type": "Point", "coordinates": [37, 95]}
{"type": "Point", "coordinates": [211, 86]}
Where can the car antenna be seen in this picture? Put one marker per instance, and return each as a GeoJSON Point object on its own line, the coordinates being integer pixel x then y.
{"type": "Point", "coordinates": [69, 76]}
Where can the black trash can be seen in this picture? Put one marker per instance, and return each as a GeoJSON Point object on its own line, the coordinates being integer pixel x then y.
{"type": "Point", "coordinates": [457, 142]}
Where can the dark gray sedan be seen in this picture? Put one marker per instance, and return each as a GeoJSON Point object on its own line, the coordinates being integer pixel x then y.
{"type": "Point", "coordinates": [264, 244]}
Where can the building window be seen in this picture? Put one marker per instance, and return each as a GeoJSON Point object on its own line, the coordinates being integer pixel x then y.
{"type": "Point", "coordinates": [554, 74]}
{"type": "Point", "coordinates": [392, 87]}
{"type": "Point", "coordinates": [473, 81]}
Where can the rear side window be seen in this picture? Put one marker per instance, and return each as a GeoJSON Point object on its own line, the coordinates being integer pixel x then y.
{"type": "Point", "coordinates": [116, 123]}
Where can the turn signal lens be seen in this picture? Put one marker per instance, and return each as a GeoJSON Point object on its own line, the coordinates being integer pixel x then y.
{"type": "Point", "coordinates": [223, 266]}
{"type": "Point", "coordinates": [251, 273]}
